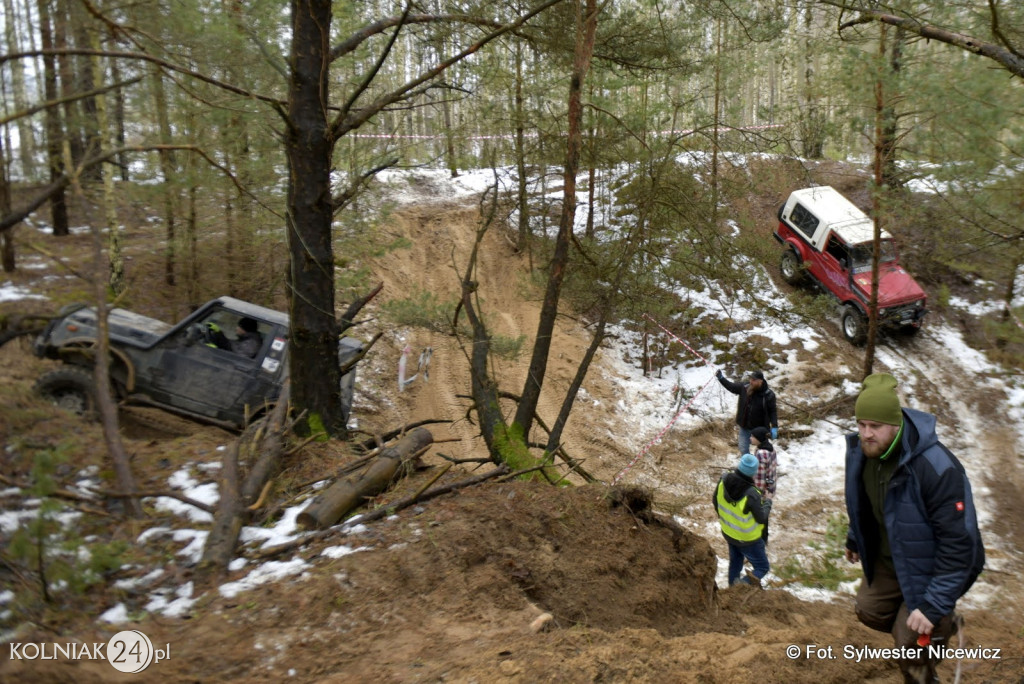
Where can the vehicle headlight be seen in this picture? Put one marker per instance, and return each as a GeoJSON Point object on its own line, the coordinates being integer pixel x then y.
{"type": "Point", "coordinates": [881, 312]}
{"type": "Point", "coordinates": [919, 303]}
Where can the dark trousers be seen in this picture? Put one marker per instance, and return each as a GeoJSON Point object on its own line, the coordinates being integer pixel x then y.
{"type": "Point", "coordinates": [755, 553]}
{"type": "Point", "coordinates": [880, 606]}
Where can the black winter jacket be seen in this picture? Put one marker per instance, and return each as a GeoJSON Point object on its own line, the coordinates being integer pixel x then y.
{"type": "Point", "coordinates": [737, 485]}
{"type": "Point", "coordinates": [929, 516]}
{"type": "Point", "coordinates": [757, 410]}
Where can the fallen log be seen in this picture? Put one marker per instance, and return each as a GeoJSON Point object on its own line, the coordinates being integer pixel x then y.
{"type": "Point", "coordinates": [379, 513]}
{"type": "Point", "coordinates": [265, 439]}
{"type": "Point", "coordinates": [350, 493]}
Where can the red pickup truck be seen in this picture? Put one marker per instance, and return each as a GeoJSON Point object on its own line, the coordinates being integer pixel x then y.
{"type": "Point", "coordinates": [827, 239]}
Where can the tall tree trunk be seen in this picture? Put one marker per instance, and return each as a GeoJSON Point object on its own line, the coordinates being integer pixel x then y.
{"type": "Point", "coordinates": [54, 134]}
{"type": "Point", "coordinates": [119, 123]}
{"type": "Point", "coordinates": [169, 170]}
{"type": "Point", "coordinates": [890, 118]}
{"type": "Point", "coordinates": [813, 121]}
{"type": "Point", "coordinates": [26, 138]}
{"type": "Point", "coordinates": [586, 28]}
{"type": "Point", "coordinates": [87, 80]}
{"type": "Point", "coordinates": [105, 405]}
{"type": "Point", "coordinates": [1011, 286]}
{"type": "Point", "coordinates": [588, 232]}
{"type": "Point", "coordinates": [117, 278]}
{"type": "Point", "coordinates": [7, 261]}
{"type": "Point", "coordinates": [230, 229]}
{"type": "Point", "coordinates": [192, 289]}
{"type": "Point", "coordinates": [309, 146]}
{"type": "Point", "coordinates": [717, 115]}
{"type": "Point", "coordinates": [876, 203]}
{"type": "Point", "coordinates": [68, 83]}
{"type": "Point", "coordinates": [104, 394]}
{"type": "Point", "coordinates": [522, 199]}
{"type": "Point", "coordinates": [449, 138]}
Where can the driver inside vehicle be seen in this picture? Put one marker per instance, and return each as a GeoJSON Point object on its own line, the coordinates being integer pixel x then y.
{"type": "Point", "coordinates": [248, 340]}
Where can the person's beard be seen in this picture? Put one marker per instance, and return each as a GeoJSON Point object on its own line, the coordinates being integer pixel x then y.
{"type": "Point", "coordinates": [874, 449]}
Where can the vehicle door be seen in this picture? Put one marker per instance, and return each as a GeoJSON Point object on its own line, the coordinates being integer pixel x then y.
{"type": "Point", "coordinates": [836, 266]}
{"type": "Point", "coordinates": [200, 372]}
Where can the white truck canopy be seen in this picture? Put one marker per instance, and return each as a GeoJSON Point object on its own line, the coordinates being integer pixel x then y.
{"type": "Point", "coordinates": [834, 213]}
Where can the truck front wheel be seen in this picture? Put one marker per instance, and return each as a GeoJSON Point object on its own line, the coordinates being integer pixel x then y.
{"type": "Point", "coordinates": [791, 267]}
{"type": "Point", "coordinates": [855, 326]}
{"type": "Point", "coordinates": [71, 388]}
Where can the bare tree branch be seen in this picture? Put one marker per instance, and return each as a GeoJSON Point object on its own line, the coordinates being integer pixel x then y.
{"type": "Point", "coordinates": [1010, 59]}
{"type": "Point", "coordinates": [64, 100]}
{"type": "Point", "coordinates": [18, 215]}
{"type": "Point", "coordinates": [142, 56]}
{"type": "Point", "coordinates": [376, 28]}
{"type": "Point", "coordinates": [351, 120]}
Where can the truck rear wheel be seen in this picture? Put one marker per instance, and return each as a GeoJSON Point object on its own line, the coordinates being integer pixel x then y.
{"type": "Point", "coordinates": [791, 267]}
{"type": "Point", "coordinates": [71, 388]}
{"type": "Point", "coordinates": [855, 326]}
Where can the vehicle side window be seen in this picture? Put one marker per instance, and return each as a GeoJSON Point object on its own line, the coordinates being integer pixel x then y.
{"type": "Point", "coordinates": [233, 332]}
{"type": "Point", "coordinates": [838, 250]}
{"type": "Point", "coordinates": [805, 221]}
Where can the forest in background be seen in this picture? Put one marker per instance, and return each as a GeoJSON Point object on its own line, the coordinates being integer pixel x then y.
{"type": "Point", "coordinates": [254, 130]}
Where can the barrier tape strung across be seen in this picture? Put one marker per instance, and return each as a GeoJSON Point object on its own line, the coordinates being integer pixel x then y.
{"type": "Point", "coordinates": [508, 136]}
{"type": "Point", "coordinates": [647, 447]}
{"type": "Point", "coordinates": [673, 336]}
{"type": "Point", "coordinates": [661, 434]}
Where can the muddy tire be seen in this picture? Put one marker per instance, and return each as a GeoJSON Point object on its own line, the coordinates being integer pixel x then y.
{"type": "Point", "coordinates": [70, 388]}
{"type": "Point", "coordinates": [854, 325]}
{"type": "Point", "coordinates": [791, 267]}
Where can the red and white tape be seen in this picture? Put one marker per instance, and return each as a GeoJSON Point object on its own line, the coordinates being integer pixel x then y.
{"type": "Point", "coordinates": [647, 447]}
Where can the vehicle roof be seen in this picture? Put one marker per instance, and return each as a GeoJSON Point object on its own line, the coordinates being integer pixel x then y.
{"type": "Point", "coordinates": [840, 214]}
{"type": "Point", "coordinates": [254, 310]}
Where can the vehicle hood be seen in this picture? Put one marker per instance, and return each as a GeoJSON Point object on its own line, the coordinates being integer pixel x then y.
{"type": "Point", "coordinates": [895, 285]}
{"type": "Point", "coordinates": [125, 326]}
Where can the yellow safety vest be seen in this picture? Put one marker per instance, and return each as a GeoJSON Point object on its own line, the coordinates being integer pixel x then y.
{"type": "Point", "coordinates": [735, 523]}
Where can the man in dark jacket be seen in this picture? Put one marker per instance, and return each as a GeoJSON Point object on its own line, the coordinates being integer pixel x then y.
{"type": "Point", "coordinates": [248, 339]}
{"type": "Point", "coordinates": [742, 514]}
{"type": "Point", "coordinates": [913, 526]}
{"type": "Point", "coordinates": [755, 406]}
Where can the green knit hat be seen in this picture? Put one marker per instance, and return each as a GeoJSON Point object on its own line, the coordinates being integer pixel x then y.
{"type": "Point", "coordinates": [878, 400]}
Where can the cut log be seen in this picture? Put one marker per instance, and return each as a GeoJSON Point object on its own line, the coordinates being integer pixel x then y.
{"type": "Point", "coordinates": [266, 438]}
{"type": "Point", "coordinates": [348, 494]}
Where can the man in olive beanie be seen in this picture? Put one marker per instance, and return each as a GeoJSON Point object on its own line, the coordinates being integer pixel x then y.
{"type": "Point", "coordinates": [900, 476]}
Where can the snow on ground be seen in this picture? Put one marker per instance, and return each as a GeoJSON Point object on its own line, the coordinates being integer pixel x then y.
{"type": "Point", "coordinates": [681, 396]}
{"type": "Point", "coordinates": [9, 292]}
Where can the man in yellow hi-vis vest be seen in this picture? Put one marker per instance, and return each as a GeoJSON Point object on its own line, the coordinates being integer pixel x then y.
{"type": "Point", "coordinates": [743, 513]}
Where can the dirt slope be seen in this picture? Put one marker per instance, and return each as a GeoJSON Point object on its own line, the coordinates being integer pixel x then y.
{"type": "Point", "coordinates": [447, 591]}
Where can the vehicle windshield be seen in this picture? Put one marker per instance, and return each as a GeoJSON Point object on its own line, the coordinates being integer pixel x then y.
{"type": "Point", "coordinates": [861, 255]}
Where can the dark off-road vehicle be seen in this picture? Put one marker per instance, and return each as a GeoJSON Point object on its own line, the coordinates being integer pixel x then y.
{"type": "Point", "coordinates": [827, 239]}
{"type": "Point", "coordinates": [224, 364]}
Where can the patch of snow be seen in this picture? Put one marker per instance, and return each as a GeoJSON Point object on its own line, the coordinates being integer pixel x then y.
{"type": "Point", "coordinates": [340, 551]}
{"type": "Point", "coordinates": [115, 615]}
{"type": "Point", "coordinates": [271, 571]}
{"type": "Point", "coordinates": [9, 292]}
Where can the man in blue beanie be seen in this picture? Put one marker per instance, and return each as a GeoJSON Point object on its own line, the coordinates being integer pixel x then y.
{"type": "Point", "coordinates": [742, 514]}
{"type": "Point", "coordinates": [913, 527]}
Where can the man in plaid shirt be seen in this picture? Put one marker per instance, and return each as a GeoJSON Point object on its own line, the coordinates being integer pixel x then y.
{"type": "Point", "coordinates": [767, 467]}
